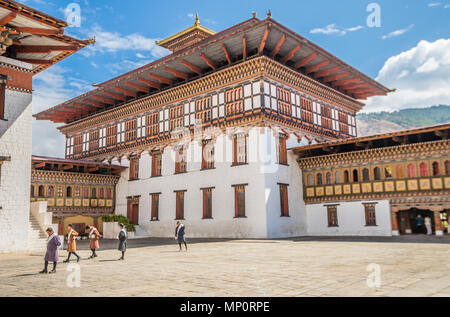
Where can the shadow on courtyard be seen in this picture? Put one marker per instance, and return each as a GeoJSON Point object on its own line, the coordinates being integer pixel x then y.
{"type": "Point", "coordinates": [149, 242]}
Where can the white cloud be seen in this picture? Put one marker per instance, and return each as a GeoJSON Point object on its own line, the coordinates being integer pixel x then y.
{"type": "Point", "coordinates": [434, 4]}
{"type": "Point", "coordinates": [111, 42]}
{"type": "Point", "coordinates": [421, 76]}
{"type": "Point", "coordinates": [333, 29]}
{"type": "Point", "coordinates": [398, 32]}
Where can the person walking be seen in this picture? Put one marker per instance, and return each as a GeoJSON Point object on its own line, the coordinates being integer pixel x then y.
{"type": "Point", "coordinates": [72, 244]}
{"type": "Point", "coordinates": [94, 236]}
{"type": "Point", "coordinates": [53, 242]}
{"type": "Point", "coordinates": [428, 226]}
{"type": "Point", "coordinates": [122, 241]}
{"type": "Point", "coordinates": [180, 234]}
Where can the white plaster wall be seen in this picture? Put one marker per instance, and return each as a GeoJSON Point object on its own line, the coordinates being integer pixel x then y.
{"type": "Point", "coordinates": [15, 141]}
{"type": "Point", "coordinates": [223, 224]}
{"type": "Point", "coordinates": [351, 220]}
{"type": "Point", "coordinates": [295, 224]}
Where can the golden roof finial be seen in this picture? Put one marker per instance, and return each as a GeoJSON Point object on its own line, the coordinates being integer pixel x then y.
{"type": "Point", "coordinates": [269, 14]}
{"type": "Point", "coordinates": [197, 20]}
{"type": "Point", "coordinates": [254, 15]}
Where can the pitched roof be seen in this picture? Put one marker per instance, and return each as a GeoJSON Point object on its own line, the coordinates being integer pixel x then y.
{"type": "Point", "coordinates": [262, 37]}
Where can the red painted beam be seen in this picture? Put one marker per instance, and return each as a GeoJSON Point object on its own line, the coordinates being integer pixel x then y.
{"type": "Point", "coordinates": [317, 67]}
{"type": "Point", "coordinates": [227, 55]}
{"type": "Point", "coordinates": [44, 48]}
{"type": "Point", "coordinates": [137, 87]}
{"type": "Point", "coordinates": [38, 31]}
{"type": "Point", "coordinates": [176, 73]}
{"type": "Point", "coordinates": [149, 83]}
{"type": "Point", "coordinates": [192, 67]}
{"type": "Point", "coordinates": [335, 77]}
{"type": "Point", "coordinates": [327, 72]}
{"type": "Point", "coordinates": [114, 96]}
{"type": "Point", "coordinates": [278, 46]}
{"type": "Point", "coordinates": [126, 92]}
{"type": "Point", "coordinates": [355, 86]}
{"type": "Point", "coordinates": [361, 90]}
{"type": "Point", "coordinates": [161, 79]}
{"type": "Point", "coordinates": [244, 47]}
{"type": "Point", "coordinates": [264, 39]}
{"type": "Point", "coordinates": [8, 18]}
{"type": "Point", "coordinates": [94, 103]}
{"type": "Point", "coordinates": [208, 61]}
{"type": "Point", "coordinates": [306, 60]}
{"type": "Point", "coordinates": [291, 54]}
{"type": "Point", "coordinates": [104, 100]}
{"type": "Point", "coordinates": [341, 83]}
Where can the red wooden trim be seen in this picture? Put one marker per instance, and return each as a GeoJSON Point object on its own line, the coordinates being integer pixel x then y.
{"type": "Point", "coordinates": [327, 72]}
{"type": "Point", "coordinates": [345, 82]}
{"type": "Point", "coordinates": [264, 39]}
{"type": "Point", "coordinates": [161, 79]}
{"type": "Point", "coordinates": [38, 31]}
{"type": "Point", "coordinates": [306, 60]}
{"type": "Point", "coordinates": [291, 54]}
{"type": "Point", "coordinates": [315, 68]}
{"type": "Point", "coordinates": [8, 18]}
{"type": "Point", "coordinates": [36, 61]}
{"type": "Point", "coordinates": [192, 67]}
{"type": "Point", "coordinates": [149, 83]}
{"type": "Point", "coordinates": [105, 100]}
{"type": "Point", "coordinates": [335, 77]}
{"type": "Point", "coordinates": [278, 46]}
{"type": "Point", "coordinates": [227, 55]}
{"type": "Point", "coordinates": [208, 61]}
{"type": "Point", "coordinates": [137, 87]}
{"type": "Point", "coordinates": [44, 48]}
{"type": "Point", "coordinates": [115, 96]}
{"type": "Point", "coordinates": [244, 46]}
{"type": "Point", "coordinates": [176, 73]}
{"type": "Point", "coordinates": [125, 92]}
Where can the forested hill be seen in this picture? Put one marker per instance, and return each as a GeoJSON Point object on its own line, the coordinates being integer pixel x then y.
{"type": "Point", "coordinates": [385, 122]}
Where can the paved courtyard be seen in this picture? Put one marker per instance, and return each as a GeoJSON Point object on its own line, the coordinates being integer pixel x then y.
{"type": "Point", "coordinates": [410, 266]}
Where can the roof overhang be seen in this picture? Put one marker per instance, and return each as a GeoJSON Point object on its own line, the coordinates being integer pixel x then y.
{"type": "Point", "coordinates": [418, 135]}
{"type": "Point", "coordinates": [41, 162]}
{"type": "Point", "coordinates": [34, 37]}
{"type": "Point", "coordinates": [248, 39]}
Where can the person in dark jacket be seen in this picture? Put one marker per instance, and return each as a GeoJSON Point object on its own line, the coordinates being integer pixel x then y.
{"type": "Point", "coordinates": [53, 242]}
{"type": "Point", "coordinates": [180, 234]}
{"type": "Point", "coordinates": [122, 241]}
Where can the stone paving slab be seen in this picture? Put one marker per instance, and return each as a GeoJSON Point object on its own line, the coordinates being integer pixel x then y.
{"type": "Point", "coordinates": [290, 267]}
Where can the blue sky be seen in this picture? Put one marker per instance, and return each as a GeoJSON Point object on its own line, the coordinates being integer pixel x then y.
{"type": "Point", "coordinates": [412, 45]}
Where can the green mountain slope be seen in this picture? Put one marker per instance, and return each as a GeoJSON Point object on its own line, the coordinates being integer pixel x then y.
{"type": "Point", "coordinates": [385, 122]}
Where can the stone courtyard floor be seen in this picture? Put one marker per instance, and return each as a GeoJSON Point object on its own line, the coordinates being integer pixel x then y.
{"type": "Point", "coordinates": [409, 266]}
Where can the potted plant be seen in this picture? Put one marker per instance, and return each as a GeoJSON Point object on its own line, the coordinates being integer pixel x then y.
{"type": "Point", "coordinates": [111, 226]}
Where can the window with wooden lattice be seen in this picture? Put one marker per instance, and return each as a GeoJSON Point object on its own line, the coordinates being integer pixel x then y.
{"type": "Point", "coordinates": [156, 164]}
{"type": "Point", "coordinates": [332, 216]}
{"type": "Point", "coordinates": [180, 206]}
{"type": "Point", "coordinates": [239, 149]}
{"type": "Point", "coordinates": [307, 110]}
{"type": "Point", "coordinates": [176, 117]}
{"type": "Point", "coordinates": [134, 169]}
{"type": "Point", "coordinates": [282, 150]}
{"type": "Point", "coordinates": [111, 135]}
{"type": "Point", "coordinates": [203, 110]}
{"type": "Point", "coordinates": [234, 101]}
{"type": "Point", "coordinates": [180, 161]}
{"type": "Point", "coordinates": [284, 204]}
{"type": "Point", "coordinates": [371, 219]}
{"type": "Point", "coordinates": [130, 128]}
{"type": "Point", "coordinates": [155, 207]}
{"type": "Point", "coordinates": [207, 203]}
{"type": "Point", "coordinates": [207, 154]}
{"type": "Point", "coordinates": [78, 144]}
{"type": "Point", "coordinates": [239, 201]}
{"type": "Point", "coordinates": [326, 117]}
{"type": "Point", "coordinates": [153, 124]}
{"type": "Point", "coordinates": [284, 101]}
{"type": "Point", "coordinates": [93, 140]}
